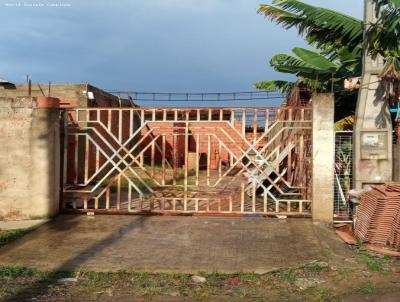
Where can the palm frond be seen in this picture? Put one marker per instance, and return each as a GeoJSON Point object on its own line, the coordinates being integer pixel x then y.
{"type": "Point", "coordinates": [320, 26]}
{"type": "Point", "coordinates": [275, 85]}
{"type": "Point", "coordinates": [308, 65]}
{"type": "Point", "coordinates": [383, 36]}
{"type": "Point", "coordinates": [288, 64]}
{"type": "Point", "coordinates": [391, 69]}
{"type": "Point", "coordinates": [380, 4]}
{"type": "Point", "coordinates": [281, 17]}
{"type": "Point", "coordinates": [315, 59]}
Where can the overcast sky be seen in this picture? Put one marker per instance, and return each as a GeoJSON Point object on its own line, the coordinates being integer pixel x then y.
{"type": "Point", "coordinates": [146, 45]}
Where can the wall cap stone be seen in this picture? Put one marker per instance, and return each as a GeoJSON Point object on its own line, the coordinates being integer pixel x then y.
{"type": "Point", "coordinates": [18, 102]}
{"type": "Point", "coordinates": [41, 102]}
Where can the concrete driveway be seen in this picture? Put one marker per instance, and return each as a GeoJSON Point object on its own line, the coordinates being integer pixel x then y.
{"type": "Point", "coordinates": [175, 244]}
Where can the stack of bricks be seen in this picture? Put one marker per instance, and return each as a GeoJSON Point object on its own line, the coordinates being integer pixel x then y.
{"type": "Point", "coordinates": [378, 216]}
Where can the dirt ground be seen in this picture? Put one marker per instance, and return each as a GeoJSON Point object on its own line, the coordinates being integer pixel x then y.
{"type": "Point", "coordinates": [378, 280]}
{"type": "Point", "coordinates": [328, 270]}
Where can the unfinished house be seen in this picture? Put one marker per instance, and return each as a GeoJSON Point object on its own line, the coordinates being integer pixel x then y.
{"type": "Point", "coordinates": [70, 95]}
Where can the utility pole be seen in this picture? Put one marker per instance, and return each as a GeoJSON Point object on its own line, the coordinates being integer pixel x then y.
{"type": "Point", "coordinates": [372, 138]}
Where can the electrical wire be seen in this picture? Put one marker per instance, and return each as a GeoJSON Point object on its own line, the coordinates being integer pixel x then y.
{"type": "Point", "coordinates": [189, 97]}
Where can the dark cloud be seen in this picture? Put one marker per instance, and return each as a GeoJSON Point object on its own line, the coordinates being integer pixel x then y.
{"type": "Point", "coordinates": [154, 45]}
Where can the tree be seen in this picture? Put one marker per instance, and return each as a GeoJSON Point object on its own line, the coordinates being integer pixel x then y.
{"type": "Point", "coordinates": [383, 38]}
{"type": "Point", "coordinates": [339, 40]}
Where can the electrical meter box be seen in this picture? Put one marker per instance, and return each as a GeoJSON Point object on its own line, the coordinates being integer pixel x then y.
{"type": "Point", "coordinates": [374, 144]}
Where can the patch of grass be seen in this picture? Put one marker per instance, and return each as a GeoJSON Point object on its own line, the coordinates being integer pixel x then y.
{"type": "Point", "coordinates": [321, 295]}
{"type": "Point", "coordinates": [17, 271]}
{"type": "Point", "coordinates": [22, 271]}
{"type": "Point", "coordinates": [242, 277]}
{"type": "Point", "coordinates": [345, 272]}
{"type": "Point", "coordinates": [360, 248]}
{"type": "Point", "coordinates": [201, 294]}
{"type": "Point", "coordinates": [374, 264]}
{"type": "Point", "coordinates": [316, 267]}
{"type": "Point", "coordinates": [241, 293]}
{"type": "Point", "coordinates": [288, 275]}
{"type": "Point", "coordinates": [149, 290]}
{"type": "Point", "coordinates": [367, 288]}
{"type": "Point", "coordinates": [96, 279]}
{"type": "Point", "coordinates": [11, 235]}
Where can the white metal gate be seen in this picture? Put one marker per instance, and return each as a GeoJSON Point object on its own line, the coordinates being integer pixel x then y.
{"type": "Point", "coordinates": [188, 160]}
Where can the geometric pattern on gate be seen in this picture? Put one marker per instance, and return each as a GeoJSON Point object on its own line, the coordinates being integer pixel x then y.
{"type": "Point", "coordinates": [188, 160]}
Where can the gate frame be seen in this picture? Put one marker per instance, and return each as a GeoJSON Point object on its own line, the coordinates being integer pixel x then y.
{"type": "Point", "coordinates": [323, 138]}
{"type": "Point", "coordinates": [221, 110]}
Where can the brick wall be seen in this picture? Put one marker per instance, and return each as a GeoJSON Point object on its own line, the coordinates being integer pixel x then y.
{"type": "Point", "coordinates": [219, 132]}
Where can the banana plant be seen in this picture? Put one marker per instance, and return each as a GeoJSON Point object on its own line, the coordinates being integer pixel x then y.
{"type": "Point", "coordinates": [313, 69]}
{"type": "Point", "coordinates": [325, 29]}
{"type": "Point", "coordinates": [383, 37]}
{"type": "Point", "coordinates": [339, 39]}
{"type": "Point", "coordinates": [333, 33]}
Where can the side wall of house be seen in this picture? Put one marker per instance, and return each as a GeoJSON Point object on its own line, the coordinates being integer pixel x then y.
{"type": "Point", "coordinates": [29, 158]}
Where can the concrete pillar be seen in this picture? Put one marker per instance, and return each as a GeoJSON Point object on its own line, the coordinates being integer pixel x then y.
{"type": "Point", "coordinates": [323, 156]}
{"type": "Point", "coordinates": [373, 157]}
{"type": "Point", "coordinates": [396, 162]}
{"type": "Point", "coordinates": [29, 158]}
